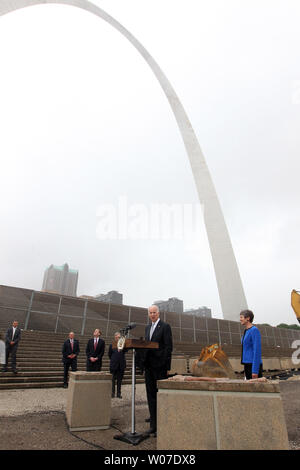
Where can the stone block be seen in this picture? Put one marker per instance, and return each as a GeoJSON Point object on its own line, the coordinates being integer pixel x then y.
{"type": "Point", "coordinates": [287, 364]}
{"type": "Point", "coordinates": [179, 365]}
{"type": "Point", "coordinates": [185, 421]}
{"type": "Point", "coordinates": [89, 401]}
{"type": "Point", "coordinates": [236, 364]}
{"type": "Point", "coordinates": [260, 426]}
{"type": "Point", "coordinates": [220, 415]}
{"type": "Point", "coordinates": [271, 363]}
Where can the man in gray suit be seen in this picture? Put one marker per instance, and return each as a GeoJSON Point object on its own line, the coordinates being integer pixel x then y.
{"type": "Point", "coordinates": [12, 338]}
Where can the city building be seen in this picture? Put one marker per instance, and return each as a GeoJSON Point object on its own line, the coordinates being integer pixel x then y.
{"type": "Point", "coordinates": [173, 304]}
{"type": "Point", "coordinates": [60, 280]}
{"type": "Point", "coordinates": [112, 297]}
{"type": "Point", "coordinates": [199, 312]}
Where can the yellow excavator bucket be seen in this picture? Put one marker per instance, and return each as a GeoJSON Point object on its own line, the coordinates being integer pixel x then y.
{"type": "Point", "coordinates": [212, 362]}
{"type": "Point", "coordinates": [295, 301]}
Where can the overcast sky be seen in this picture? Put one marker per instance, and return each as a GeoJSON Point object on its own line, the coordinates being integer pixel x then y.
{"type": "Point", "coordinates": [84, 123]}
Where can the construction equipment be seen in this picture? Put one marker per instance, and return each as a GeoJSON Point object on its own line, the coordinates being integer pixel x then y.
{"type": "Point", "coordinates": [212, 362]}
{"type": "Point", "coordinates": [295, 301]}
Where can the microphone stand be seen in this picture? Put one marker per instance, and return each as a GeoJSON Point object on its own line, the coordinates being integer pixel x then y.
{"type": "Point", "coordinates": [132, 437]}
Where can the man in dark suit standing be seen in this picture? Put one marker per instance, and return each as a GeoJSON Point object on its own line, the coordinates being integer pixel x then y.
{"type": "Point", "coordinates": [94, 352]}
{"type": "Point", "coordinates": [70, 351]}
{"type": "Point", "coordinates": [12, 338]}
{"type": "Point", "coordinates": [157, 362]}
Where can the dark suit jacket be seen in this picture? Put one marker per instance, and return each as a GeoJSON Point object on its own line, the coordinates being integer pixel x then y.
{"type": "Point", "coordinates": [117, 359]}
{"type": "Point", "coordinates": [159, 358]}
{"type": "Point", "coordinates": [67, 350]}
{"type": "Point", "coordinates": [8, 337]}
{"type": "Point", "coordinates": [90, 352]}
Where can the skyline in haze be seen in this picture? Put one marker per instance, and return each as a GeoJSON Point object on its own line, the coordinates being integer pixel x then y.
{"type": "Point", "coordinates": [84, 122]}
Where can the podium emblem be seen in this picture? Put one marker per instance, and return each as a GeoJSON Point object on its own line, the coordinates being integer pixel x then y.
{"type": "Point", "coordinates": [121, 343]}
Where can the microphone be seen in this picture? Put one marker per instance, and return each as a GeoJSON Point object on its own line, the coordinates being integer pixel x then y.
{"type": "Point", "coordinates": [127, 328]}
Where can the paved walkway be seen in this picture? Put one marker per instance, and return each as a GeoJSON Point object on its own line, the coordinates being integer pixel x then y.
{"type": "Point", "coordinates": [38, 416]}
{"type": "Point", "coordinates": [35, 419]}
{"type": "Point", "coordinates": [19, 402]}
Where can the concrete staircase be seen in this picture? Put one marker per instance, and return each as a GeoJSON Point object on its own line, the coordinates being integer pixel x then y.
{"type": "Point", "coordinates": [39, 361]}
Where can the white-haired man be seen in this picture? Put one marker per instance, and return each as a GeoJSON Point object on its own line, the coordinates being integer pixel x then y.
{"type": "Point", "coordinates": [157, 362]}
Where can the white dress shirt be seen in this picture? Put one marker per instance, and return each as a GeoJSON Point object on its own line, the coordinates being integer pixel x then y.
{"type": "Point", "coordinates": [153, 326]}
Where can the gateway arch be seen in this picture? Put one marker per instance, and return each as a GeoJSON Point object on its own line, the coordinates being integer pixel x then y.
{"type": "Point", "coordinates": [231, 292]}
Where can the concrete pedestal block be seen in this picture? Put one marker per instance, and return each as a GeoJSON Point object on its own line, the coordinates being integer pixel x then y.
{"type": "Point", "coordinates": [178, 365]}
{"type": "Point", "coordinates": [286, 363]}
{"type": "Point", "coordinates": [228, 415]}
{"type": "Point", "coordinates": [271, 363]}
{"type": "Point", "coordinates": [236, 364]}
{"type": "Point", "coordinates": [89, 401]}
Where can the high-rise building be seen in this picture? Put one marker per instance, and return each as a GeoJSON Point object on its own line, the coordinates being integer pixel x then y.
{"type": "Point", "coordinates": [199, 312]}
{"type": "Point", "coordinates": [60, 280]}
{"type": "Point", "coordinates": [173, 304]}
{"type": "Point", "coordinates": [112, 297]}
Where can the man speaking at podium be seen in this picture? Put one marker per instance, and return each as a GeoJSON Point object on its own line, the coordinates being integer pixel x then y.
{"type": "Point", "coordinates": [157, 362]}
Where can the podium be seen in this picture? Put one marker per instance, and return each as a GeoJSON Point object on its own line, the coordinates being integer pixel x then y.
{"type": "Point", "coordinates": [133, 437]}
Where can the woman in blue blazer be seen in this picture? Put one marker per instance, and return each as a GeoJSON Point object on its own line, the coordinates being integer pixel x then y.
{"type": "Point", "coordinates": [251, 346]}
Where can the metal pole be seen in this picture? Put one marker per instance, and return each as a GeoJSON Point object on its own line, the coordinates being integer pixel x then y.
{"type": "Point", "coordinates": [180, 325]}
{"type": "Point", "coordinates": [58, 312]}
{"type": "Point", "coordinates": [132, 437]}
{"type": "Point", "coordinates": [273, 331]}
{"type": "Point", "coordinates": [84, 317]}
{"type": "Point", "coordinates": [220, 342]}
{"type": "Point", "coordinates": [230, 335]}
{"type": "Point", "coordinates": [108, 320]}
{"type": "Point", "coordinates": [194, 327]}
{"type": "Point", "coordinates": [129, 319]}
{"type": "Point", "coordinates": [133, 394]}
{"type": "Point", "coordinates": [28, 311]}
{"type": "Point", "coordinates": [207, 331]}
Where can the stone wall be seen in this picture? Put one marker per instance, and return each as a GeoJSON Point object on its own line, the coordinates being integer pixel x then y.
{"type": "Point", "coordinates": [50, 312]}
